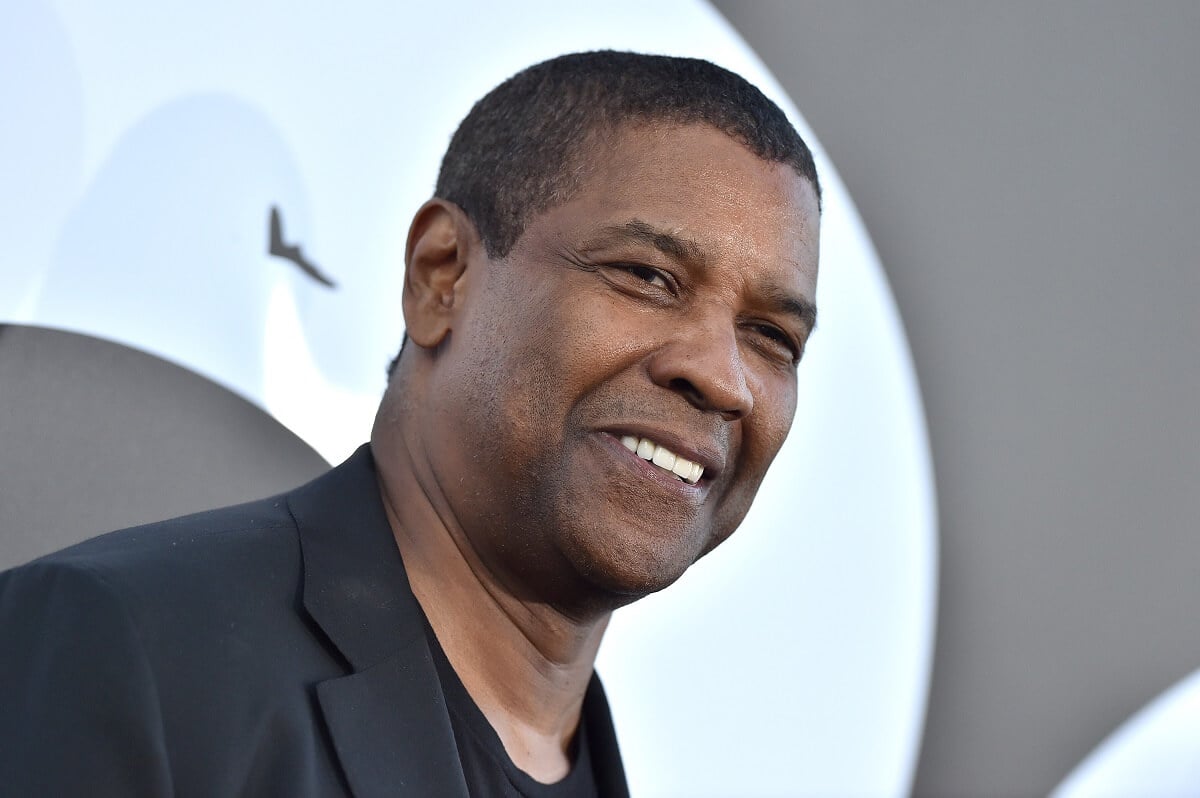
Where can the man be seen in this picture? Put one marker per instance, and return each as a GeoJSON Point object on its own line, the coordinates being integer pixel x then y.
{"type": "Point", "coordinates": [606, 302]}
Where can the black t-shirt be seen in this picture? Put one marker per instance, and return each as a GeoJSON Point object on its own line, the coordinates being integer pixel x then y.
{"type": "Point", "coordinates": [489, 770]}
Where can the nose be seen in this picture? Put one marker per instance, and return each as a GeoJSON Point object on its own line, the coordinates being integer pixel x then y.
{"type": "Point", "coordinates": [702, 363]}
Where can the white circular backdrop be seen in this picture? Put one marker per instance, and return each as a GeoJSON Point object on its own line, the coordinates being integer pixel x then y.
{"type": "Point", "coordinates": [1155, 752]}
{"type": "Point", "coordinates": [143, 147]}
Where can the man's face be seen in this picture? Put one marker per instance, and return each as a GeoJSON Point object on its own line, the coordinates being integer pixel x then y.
{"type": "Point", "coordinates": [665, 305]}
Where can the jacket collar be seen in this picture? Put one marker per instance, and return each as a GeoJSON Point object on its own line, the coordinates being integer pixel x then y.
{"type": "Point", "coordinates": [602, 743]}
{"type": "Point", "coordinates": [388, 718]}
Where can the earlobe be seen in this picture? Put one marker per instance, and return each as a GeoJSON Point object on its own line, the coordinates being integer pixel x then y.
{"type": "Point", "coordinates": [440, 242]}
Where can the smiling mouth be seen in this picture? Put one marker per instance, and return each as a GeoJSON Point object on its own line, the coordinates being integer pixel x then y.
{"type": "Point", "coordinates": [664, 458]}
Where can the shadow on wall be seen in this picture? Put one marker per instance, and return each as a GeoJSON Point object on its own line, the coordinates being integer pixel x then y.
{"type": "Point", "coordinates": [171, 234]}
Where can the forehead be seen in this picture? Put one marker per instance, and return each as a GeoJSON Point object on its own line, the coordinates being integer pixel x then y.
{"type": "Point", "coordinates": [700, 185]}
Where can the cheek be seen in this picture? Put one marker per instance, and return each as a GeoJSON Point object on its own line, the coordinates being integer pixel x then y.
{"type": "Point", "coordinates": [529, 354]}
{"type": "Point", "coordinates": [583, 335]}
{"type": "Point", "coordinates": [762, 436]}
{"type": "Point", "coordinates": [774, 409]}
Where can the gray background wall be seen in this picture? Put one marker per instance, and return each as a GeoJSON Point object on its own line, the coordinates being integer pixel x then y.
{"type": "Point", "coordinates": [1029, 175]}
{"type": "Point", "coordinates": [160, 441]}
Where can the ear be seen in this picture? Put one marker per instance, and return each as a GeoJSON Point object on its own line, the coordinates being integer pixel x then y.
{"type": "Point", "coordinates": [440, 243]}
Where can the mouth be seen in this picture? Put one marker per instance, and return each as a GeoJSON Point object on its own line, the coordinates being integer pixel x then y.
{"type": "Point", "coordinates": [657, 454]}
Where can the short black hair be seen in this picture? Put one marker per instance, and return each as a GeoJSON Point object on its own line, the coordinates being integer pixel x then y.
{"type": "Point", "coordinates": [515, 154]}
{"type": "Point", "coordinates": [519, 150]}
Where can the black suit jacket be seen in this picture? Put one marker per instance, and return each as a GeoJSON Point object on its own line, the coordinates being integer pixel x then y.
{"type": "Point", "coordinates": [269, 649]}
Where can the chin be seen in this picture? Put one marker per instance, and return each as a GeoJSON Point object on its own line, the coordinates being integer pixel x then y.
{"type": "Point", "coordinates": [619, 555]}
{"type": "Point", "coordinates": [621, 574]}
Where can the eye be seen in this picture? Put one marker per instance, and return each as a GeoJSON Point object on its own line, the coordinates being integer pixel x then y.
{"type": "Point", "coordinates": [778, 341]}
{"type": "Point", "coordinates": [648, 274]}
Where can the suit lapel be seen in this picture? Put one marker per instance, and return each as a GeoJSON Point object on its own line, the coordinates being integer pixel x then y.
{"type": "Point", "coordinates": [388, 718]}
{"type": "Point", "coordinates": [391, 732]}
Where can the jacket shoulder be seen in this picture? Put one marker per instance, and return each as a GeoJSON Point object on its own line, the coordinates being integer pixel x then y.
{"type": "Point", "coordinates": [249, 524]}
{"type": "Point", "coordinates": [187, 634]}
{"type": "Point", "coordinates": [180, 582]}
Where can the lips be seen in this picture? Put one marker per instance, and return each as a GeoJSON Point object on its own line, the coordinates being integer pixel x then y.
{"type": "Point", "coordinates": [686, 470]}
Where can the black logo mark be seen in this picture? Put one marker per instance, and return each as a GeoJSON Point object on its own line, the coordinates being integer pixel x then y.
{"type": "Point", "coordinates": [276, 247]}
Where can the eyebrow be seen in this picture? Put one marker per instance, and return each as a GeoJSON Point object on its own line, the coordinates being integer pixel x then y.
{"type": "Point", "coordinates": [785, 302]}
{"type": "Point", "coordinates": [681, 249]}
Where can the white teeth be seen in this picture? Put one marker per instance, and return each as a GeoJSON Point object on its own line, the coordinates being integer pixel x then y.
{"type": "Point", "coordinates": [664, 458]}
{"type": "Point", "coordinates": [683, 468]}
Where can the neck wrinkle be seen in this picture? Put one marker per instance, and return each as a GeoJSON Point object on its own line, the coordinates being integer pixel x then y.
{"type": "Point", "coordinates": [525, 664]}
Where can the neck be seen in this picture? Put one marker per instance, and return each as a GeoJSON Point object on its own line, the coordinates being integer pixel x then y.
{"type": "Point", "coordinates": [525, 663]}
